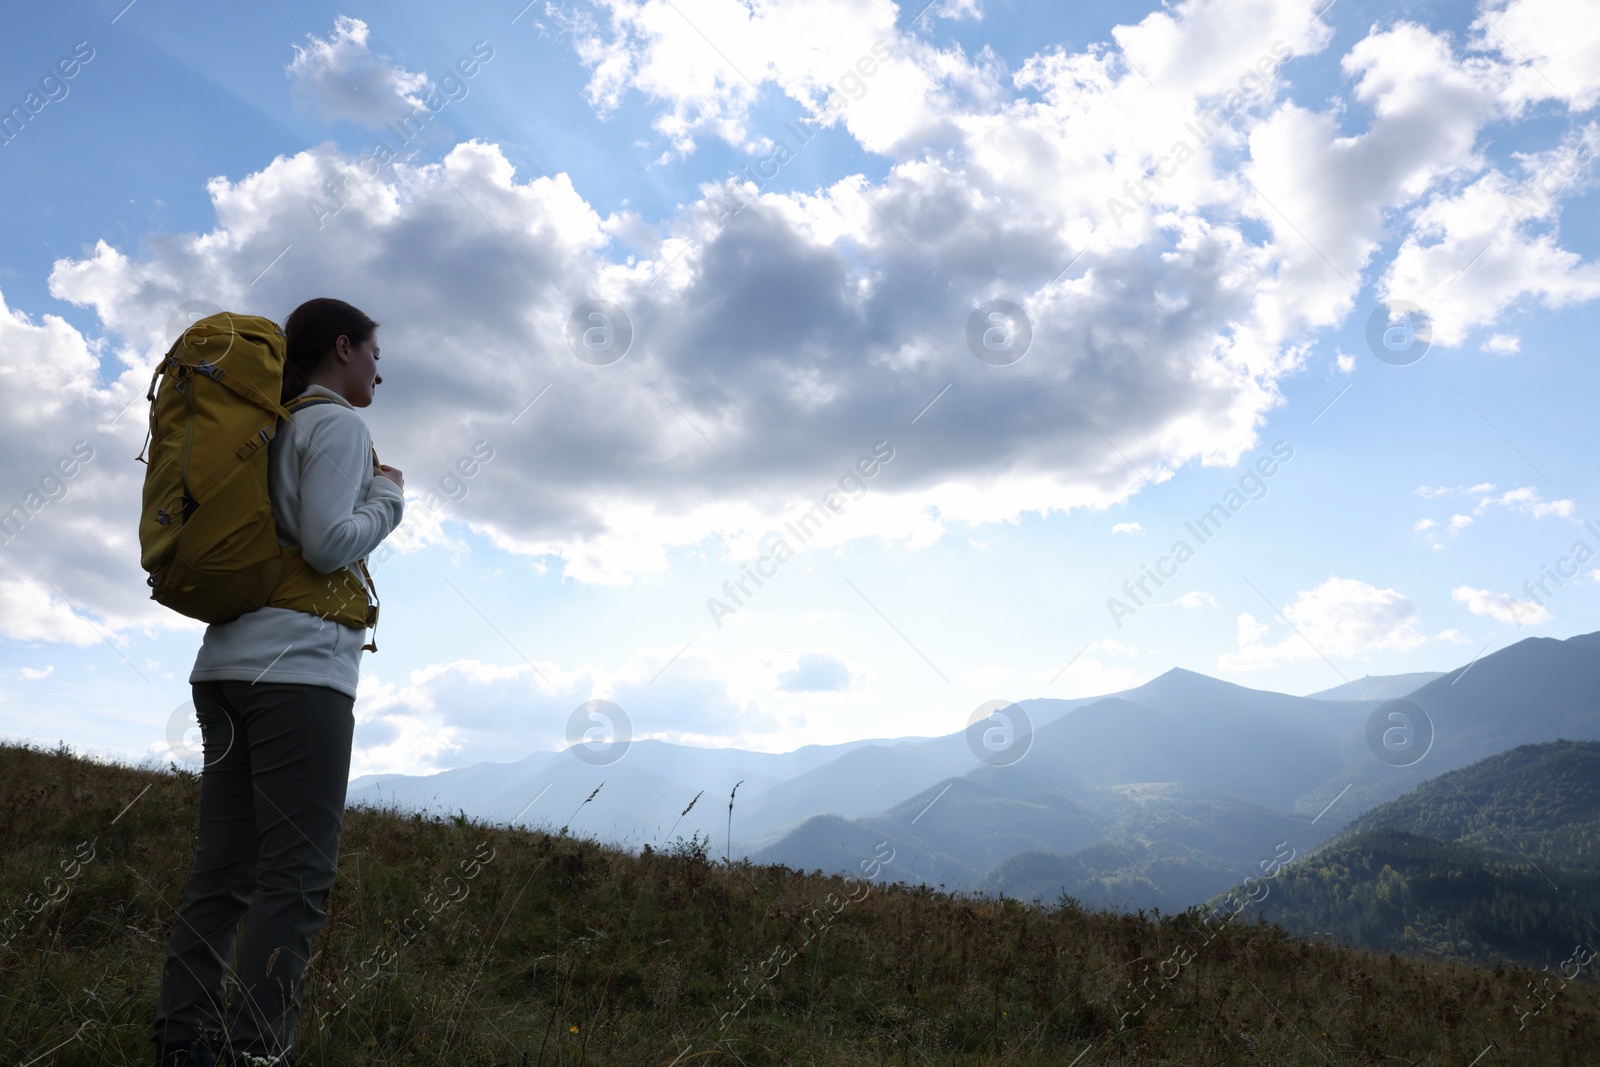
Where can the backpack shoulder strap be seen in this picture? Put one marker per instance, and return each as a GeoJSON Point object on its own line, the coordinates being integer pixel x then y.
{"type": "Point", "coordinates": [306, 400]}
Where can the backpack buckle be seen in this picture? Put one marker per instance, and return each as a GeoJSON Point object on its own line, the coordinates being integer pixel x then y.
{"type": "Point", "coordinates": [210, 370]}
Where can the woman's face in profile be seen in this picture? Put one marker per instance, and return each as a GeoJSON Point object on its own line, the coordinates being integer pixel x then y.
{"type": "Point", "coordinates": [362, 371]}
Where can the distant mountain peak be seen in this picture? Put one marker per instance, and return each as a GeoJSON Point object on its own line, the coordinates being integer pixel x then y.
{"type": "Point", "coordinates": [1183, 672]}
{"type": "Point", "coordinates": [1182, 679]}
{"type": "Point", "coordinates": [1176, 678]}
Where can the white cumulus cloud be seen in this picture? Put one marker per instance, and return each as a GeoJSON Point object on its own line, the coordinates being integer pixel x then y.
{"type": "Point", "coordinates": [1339, 619]}
{"type": "Point", "coordinates": [343, 78]}
{"type": "Point", "coordinates": [1500, 606]}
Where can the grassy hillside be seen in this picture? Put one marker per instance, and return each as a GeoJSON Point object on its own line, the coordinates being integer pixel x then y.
{"type": "Point", "coordinates": [1500, 859]}
{"type": "Point", "coordinates": [450, 942]}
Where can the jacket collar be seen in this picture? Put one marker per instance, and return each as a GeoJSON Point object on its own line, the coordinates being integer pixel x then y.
{"type": "Point", "coordinates": [322, 390]}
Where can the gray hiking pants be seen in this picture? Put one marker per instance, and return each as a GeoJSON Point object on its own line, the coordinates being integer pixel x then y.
{"type": "Point", "coordinates": [277, 760]}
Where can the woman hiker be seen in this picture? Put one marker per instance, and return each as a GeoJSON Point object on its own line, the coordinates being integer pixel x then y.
{"type": "Point", "coordinates": [274, 692]}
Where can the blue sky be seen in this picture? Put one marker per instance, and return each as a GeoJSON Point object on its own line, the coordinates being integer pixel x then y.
{"type": "Point", "coordinates": [1434, 154]}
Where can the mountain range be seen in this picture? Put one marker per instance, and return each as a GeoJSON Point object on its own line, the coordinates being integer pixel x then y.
{"type": "Point", "coordinates": [1158, 796]}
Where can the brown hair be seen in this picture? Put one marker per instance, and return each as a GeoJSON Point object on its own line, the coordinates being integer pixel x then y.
{"type": "Point", "coordinates": [310, 332]}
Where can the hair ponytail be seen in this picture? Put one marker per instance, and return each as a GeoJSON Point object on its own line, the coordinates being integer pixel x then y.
{"type": "Point", "coordinates": [310, 332]}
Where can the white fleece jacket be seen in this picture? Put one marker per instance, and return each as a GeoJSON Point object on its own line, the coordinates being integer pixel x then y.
{"type": "Point", "coordinates": [326, 500]}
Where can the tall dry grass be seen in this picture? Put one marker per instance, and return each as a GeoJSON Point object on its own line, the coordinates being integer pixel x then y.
{"type": "Point", "coordinates": [452, 942]}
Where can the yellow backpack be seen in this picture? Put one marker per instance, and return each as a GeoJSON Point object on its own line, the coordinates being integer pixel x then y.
{"type": "Point", "coordinates": [206, 533]}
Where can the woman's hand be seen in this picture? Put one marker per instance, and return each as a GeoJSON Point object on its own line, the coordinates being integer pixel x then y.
{"type": "Point", "coordinates": [383, 470]}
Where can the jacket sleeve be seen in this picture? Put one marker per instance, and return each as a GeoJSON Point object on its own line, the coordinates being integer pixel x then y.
{"type": "Point", "coordinates": [340, 521]}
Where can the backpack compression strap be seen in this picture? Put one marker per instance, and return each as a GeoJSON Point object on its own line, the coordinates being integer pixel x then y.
{"type": "Point", "coordinates": [217, 374]}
